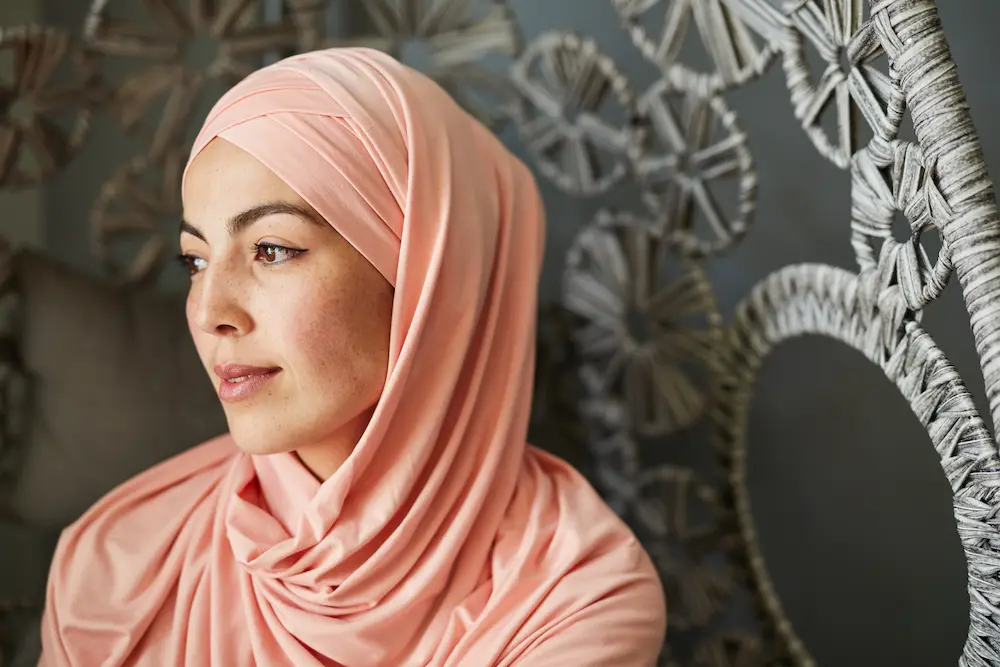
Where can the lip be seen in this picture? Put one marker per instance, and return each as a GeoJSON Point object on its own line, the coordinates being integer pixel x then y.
{"type": "Point", "coordinates": [239, 381]}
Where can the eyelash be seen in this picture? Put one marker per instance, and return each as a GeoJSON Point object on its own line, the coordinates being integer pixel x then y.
{"type": "Point", "coordinates": [188, 261]}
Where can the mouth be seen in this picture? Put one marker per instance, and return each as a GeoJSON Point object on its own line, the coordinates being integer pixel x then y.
{"type": "Point", "coordinates": [238, 382]}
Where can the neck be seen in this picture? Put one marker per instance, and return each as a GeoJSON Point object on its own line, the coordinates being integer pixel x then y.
{"type": "Point", "coordinates": [324, 458]}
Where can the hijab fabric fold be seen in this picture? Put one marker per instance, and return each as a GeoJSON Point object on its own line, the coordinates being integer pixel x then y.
{"type": "Point", "coordinates": [444, 539]}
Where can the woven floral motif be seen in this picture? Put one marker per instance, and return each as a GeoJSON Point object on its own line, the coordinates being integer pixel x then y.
{"type": "Point", "coordinates": [46, 103]}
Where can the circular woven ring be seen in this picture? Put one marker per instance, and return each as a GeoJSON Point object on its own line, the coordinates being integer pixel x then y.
{"type": "Point", "coordinates": [888, 177]}
{"type": "Point", "coordinates": [738, 56]}
{"type": "Point", "coordinates": [640, 335]}
{"type": "Point", "coordinates": [823, 300]}
{"type": "Point", "coordinates": [570, 88]}
{"type": "Point", "coordinates": [694, 145]}
{"type": "Point", "coordinates": [851, 83]}
{"type": "Point", "coordinates": [43, 121]}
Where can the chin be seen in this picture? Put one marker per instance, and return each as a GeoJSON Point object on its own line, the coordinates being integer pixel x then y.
{"type": "Point", "coordinates": [259, 438]}
{"type": "Point", "coordinates": [288, 425]}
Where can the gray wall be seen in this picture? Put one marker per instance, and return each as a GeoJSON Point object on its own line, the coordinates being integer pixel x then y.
{"type": "Point", "coordinates": [852, 509]}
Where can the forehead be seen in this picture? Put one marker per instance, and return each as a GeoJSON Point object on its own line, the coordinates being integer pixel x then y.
{"type": "Point", "coordinates": [223, 179]}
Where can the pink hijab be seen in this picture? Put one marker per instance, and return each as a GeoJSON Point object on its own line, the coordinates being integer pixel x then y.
{"type": "Point", "coordinates": [444, 539]}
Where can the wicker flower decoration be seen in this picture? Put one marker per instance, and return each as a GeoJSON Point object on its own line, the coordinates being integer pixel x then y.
{"type": "Point", "coordinates": [891, 177]}
{"type": "Point", "coordinates": [614, 450]}
{"type": "Point", "coordinates": [694, 148]}
{"type": "Point", "coordinates": [138, 206]}
{"type": "Point", "coordinates": [737, 54]}
{"type": "Point", "coordinates": [36, 141]}
{"type": "Point", "coordinates": [640, 337]}
{"type": "Point", "coordinates": [449, 40]}
{"type": "Point", "coordinates": [851, 82]}
{"type": "Point", "coordinates": [170, 68]}
{"type": "Point", "coordinates": [577, 117]}
{"type": "Point", "coordinates": [678, 517]}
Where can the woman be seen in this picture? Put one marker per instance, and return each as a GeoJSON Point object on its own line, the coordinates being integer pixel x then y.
{"type": "Point", "coordinates": [364, 259]}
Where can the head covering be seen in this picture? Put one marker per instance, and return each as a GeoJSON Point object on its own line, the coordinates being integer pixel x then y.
{"type": "Point", "coordinates": [443, 539]}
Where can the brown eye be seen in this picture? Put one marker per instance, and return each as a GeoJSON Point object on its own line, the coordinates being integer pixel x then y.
{"type": "Point", "coordinates": [191, 263]}
{"type": "Point", "coordinates": [268, 253]}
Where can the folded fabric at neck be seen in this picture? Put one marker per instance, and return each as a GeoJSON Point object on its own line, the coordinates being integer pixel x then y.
{"type": "Point", "coordinates": [443, 539]}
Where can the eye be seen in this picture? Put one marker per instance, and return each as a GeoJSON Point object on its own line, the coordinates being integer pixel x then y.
{"type": "Point", "coordinates": [191, 263]}
{"type": "Point", "coordinates": [269, 253]}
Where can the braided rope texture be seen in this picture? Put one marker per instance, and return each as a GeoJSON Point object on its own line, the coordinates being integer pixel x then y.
{"type": "Point", "coordinates": [816, 299]}
{"type": "Point", "coordinates": [911, 33]}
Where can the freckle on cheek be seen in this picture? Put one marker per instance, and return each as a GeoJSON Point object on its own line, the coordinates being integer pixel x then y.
{"type": "Point", "coordinates": [315, 329]}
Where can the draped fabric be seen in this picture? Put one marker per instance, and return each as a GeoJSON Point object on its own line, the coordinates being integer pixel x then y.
{"type": "Point", "coordinates": [443, 539]}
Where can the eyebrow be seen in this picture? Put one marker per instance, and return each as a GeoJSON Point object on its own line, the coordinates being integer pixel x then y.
{"type": "Point", "coordinates": [244, 219]}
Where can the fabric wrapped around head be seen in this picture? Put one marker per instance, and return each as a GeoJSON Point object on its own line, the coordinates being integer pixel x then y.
{"type": "Point", "coordinates": [443, 539]}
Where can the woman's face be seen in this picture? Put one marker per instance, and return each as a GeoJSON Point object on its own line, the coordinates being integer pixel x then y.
{"type": "Point", "coordinates": [276, 289]}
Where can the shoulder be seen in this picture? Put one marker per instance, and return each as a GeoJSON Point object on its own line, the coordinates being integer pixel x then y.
{"type": "Point", "coordinates": [174, 482]}
{"type": "Point", "coordinates": [600, 600]}
{"type": "Point", "coordinates": [136, 538]}
{"type": "Point", "coordinates": [617, 617]}
{"type": "Point", "coordinates": [125, 534]}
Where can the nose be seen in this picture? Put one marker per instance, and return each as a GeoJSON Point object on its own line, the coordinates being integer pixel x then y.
{"type": "Point", "coordinates": [215, 304]}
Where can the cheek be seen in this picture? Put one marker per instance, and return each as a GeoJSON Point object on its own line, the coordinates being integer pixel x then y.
{"type": "Point", "coordinates": [341, 334]}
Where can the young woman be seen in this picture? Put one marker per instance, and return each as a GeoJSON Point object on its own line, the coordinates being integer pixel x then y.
{"type": "Point", "coordinates": [364, 261]}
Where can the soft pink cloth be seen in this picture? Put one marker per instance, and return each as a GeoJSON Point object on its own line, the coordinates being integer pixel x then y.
{"type": "Point", "coordinates": [444, 539]}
